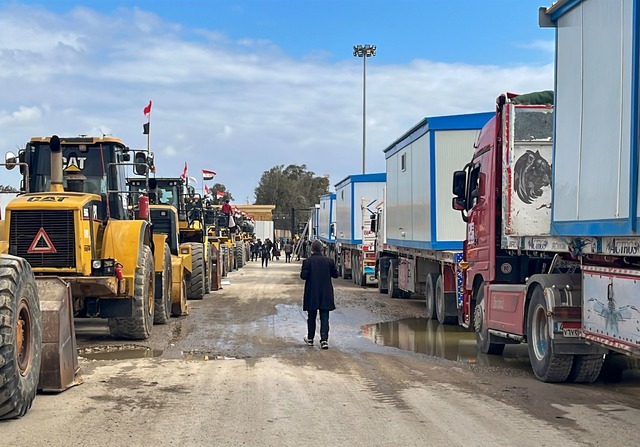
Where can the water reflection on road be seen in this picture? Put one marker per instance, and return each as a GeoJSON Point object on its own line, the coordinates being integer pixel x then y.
{"type": "Point", "coordinates": [451, 342]}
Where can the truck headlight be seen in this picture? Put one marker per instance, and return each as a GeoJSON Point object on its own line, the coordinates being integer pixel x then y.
{"type": "Point", "coordinates": [96, 264]}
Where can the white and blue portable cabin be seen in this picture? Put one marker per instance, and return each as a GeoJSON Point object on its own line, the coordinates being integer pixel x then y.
{"type": "Point", "coordinates": [420, 166]}
{"type": "Point", "coordinates": [595, 149]}
{"type": "Point", "coordinates": [327, 218]}
{"type": "Point", "coordinates": [353, 193]}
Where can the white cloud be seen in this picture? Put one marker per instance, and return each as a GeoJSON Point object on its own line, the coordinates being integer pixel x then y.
{"type": "Point", "coordinates": [238, 107]}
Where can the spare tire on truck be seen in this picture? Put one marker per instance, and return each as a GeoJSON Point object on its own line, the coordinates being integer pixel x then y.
{"type": "Point", "coordinates": [21, 339]}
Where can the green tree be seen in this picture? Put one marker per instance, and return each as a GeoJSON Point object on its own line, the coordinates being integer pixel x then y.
{"type": "Point", "coordinates": [290, 187]}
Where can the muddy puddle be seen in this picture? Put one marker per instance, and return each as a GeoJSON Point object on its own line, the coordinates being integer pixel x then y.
{"type": "Point", "coordinates": [450, 342]}
{"type": "Point", "coordinates": [124, 352]}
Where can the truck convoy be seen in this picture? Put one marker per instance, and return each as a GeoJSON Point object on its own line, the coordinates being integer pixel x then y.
{"type": "Point", "coordinates": [419, 237]}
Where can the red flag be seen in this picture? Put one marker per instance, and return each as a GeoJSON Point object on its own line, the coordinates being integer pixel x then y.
{"type": "Point", "coordinates": [184, 172]}
{"type": "Point", "coordinates": [147, 110]}
{"type": "Point", "coordinates": [219, 194]}
{"type": "Point", "coordinates": [207, 174]}
{"type": "Point", "coordinates": [206, 189]}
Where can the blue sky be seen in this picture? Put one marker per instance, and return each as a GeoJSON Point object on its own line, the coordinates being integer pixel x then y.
{"type": "Point", "coordinates": [241, 86]}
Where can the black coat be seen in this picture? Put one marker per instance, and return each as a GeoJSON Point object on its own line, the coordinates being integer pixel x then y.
{"type": "Point", "coordinates": [317, 271]}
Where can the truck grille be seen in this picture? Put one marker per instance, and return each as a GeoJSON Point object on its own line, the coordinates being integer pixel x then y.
{"type": "Point", "coordinates": [57, 252]}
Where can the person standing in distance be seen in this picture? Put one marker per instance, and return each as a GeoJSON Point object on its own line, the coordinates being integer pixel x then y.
{"type": "Point", "coordinates": [317, 271]}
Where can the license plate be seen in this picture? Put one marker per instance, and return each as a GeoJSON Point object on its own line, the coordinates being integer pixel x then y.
{"type": "Point", "coordinates": [569, 331]}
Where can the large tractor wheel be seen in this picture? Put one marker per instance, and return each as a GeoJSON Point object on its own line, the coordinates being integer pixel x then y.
{"type": "Point", "coordinates": [195, 284]}
{"type": "Point", "coordinates": [181, 308]}
{"type": "Point", "coordinates": [162, 310]}
{"type": "Point", "coordinates": [138, 327]}
{"type": "Point", "coordinates": [20, 337]}
{"type": "Point", "coordinates": [483, 338]}
{"type": "Point", "coordinates": [208, 270]}
{"type": "Point", "coordinates": [430, 296]}
{"type": "Point", "coordinates": [547, 365]}
{"type": "Point", "coordinates": [240, 256]}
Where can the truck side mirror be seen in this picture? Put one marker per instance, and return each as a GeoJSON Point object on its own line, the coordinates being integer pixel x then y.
{"type": "Point", "coordinates": [332, 230]}
{"type": "Point", "coordinates": [10, 160]}
{"type": "Point", "coordinates": [458, 204]}
{"type": "Point", "coordinates": [374, 223]}
{"type": "Point", "coordinates": [140, 163]}
{"type": "Point", "coordinates": [459, 183]}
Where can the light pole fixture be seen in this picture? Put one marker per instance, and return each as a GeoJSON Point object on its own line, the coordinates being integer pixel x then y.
{"type": "Point", "coordinates": [364, 51]}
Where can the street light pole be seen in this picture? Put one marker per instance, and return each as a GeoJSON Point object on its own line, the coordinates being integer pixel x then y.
{"type": "Point", "coordinates": [364, 51]}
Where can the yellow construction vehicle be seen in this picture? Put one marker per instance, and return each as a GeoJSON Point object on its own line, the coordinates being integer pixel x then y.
{"type": "Point", "coordinates": [178, 214]}
{"type": "Point", "coordinates": [72, 228]}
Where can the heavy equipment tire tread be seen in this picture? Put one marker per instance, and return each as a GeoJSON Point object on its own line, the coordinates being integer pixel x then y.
{"type": "Point", "coordinates": [383, 286]}
{"type": "Point", "coordinates": [553, 368]}
{"type": "Point", "coordinates": [586, 368]}
{"type": "Point", "coordinates": [239, 256]}
{"type": "Point", "coordinates": [17, 392]}
{"type": "Point", "coordinates": [138, 327]}
{"type": "Point", "coordinates": [195, 284]}
{"type": "Point", "coordinates": [162, 310]}
{"type": "Point", "coordinates": [207, 270]}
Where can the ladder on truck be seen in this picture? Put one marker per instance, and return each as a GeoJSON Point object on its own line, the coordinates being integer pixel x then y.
{"type": "Point", "coordinates": [297, 248]}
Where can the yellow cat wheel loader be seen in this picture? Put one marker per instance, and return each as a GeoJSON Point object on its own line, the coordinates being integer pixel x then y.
{"type": "Point", "coordinates": [184, 226]}
{"type": "Point", "coordinates": [69, 248]}
{"type": "Point", "coordinates": [173, 266]}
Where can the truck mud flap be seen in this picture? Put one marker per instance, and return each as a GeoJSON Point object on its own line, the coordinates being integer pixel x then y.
{"type": "Point", "coordinates": [59, 353]}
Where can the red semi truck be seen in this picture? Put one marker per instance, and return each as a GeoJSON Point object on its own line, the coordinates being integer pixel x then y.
{"type": "Point", "coordinates": [551, 200]}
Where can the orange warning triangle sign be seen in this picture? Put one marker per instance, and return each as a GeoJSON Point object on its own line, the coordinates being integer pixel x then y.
{"type": "Point", "coordinates": [42, 243]}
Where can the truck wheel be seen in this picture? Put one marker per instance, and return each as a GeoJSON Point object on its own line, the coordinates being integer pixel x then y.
{"type": "Point", "coordinates": [546, 365]}
{"type": "Point", "coordinates": [483, 338]}
{"type": "Point", "coordinates": [393, 290]}
{"type": "Point", "coordinates": [430, 296]}
{"type": "Point", "coordinates": [138, 327]}
{"type": "Point", "coordinates": [441, 304]}
{"type": "Point", "coordinates": [383, 286]}
{"type": "Point", "coordinates": [181, 308]}
{"type": "Point", "coordinates": [586, 368]}
{"type": "Point", "coordinates": [162, 310]}
{"type": "Point", "coordinates": [195, 284]}
{"type": "Point", "coordinates": [20, 337]}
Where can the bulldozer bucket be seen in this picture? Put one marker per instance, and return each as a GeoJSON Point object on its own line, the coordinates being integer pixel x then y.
{"type": "Point", "coordinates": [59, 353]}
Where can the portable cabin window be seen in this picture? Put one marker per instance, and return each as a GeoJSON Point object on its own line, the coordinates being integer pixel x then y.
{"type": "Point", "coordinates": [403, 162]}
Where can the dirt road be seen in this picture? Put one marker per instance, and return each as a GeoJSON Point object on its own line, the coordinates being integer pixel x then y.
{"type": "Point", "coordinates": [235, 372]}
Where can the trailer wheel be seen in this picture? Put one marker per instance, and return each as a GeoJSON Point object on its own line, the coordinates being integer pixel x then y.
{"type": "Point", "coordinates": [586, 368]}
{"type": "Point", "coordinates": [483, 338]}
{"type": "Point", "coordinates": [441, 304]}
{"type": "Point", "coordinates": [546, 365]}
{"type": "Point", "coordinates": [430, 297]}
{"type": "Point", "coordinates": [195, 284]}
{"type": "Point", "coordinates": [138, 327]}
{"type": "Point", "coordinates": [162, 311]}
{"type": "Point", "coordinates": [20, 337]}
{"type": "Point", "coordinates": [392, 278]}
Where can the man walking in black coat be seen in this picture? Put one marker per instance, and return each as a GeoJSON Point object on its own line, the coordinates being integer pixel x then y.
{"type": "Point", "coordinates": [317, 271]}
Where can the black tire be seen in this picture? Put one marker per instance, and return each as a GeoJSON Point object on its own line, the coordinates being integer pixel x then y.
{"type": "Point", "coordinates": [138, 327]}
{"type": "Point", "coordinates": [393, 291]}
{"type": "Point", "coordinates": [586, 368]}
{"type": "Point", "coordinates": [382, 283]}
{"type": "Point", "coordinates": [547, 366]}
{"type": "Point", "coordinates": [483, 338]}
{"type": "Point", "coordinates": [430, 296]}
{"type": "Point", "coordinates": [207, 270]}
{"type": "Point", "coordinates": [441, 303]}
{"type": "Point", "coordinates": [240, 256]}
{"type": "Point", "coordinates": [195, 283]}
{"type": "Point", "coordinates": [19, 362]}
{"type": "Point", "coordinates": [162, 310]}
